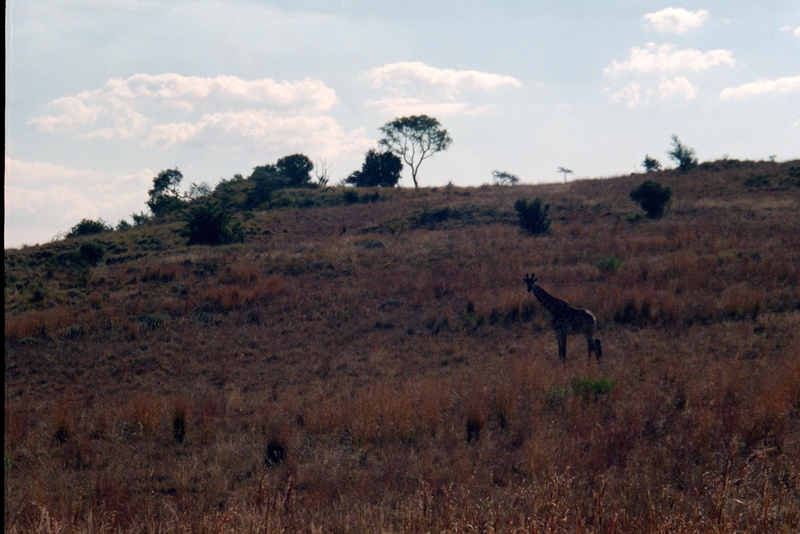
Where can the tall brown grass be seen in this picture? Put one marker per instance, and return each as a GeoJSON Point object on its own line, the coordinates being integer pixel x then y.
{"type": "Point", "coordinates": [307, 382]}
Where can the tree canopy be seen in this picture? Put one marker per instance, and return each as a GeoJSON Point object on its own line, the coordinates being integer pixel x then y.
{"type": "Point", "coordinates": [165, 196]}
{"type": "Point", "coordinates": [415, 139]}
{"type": "Point", "coordinates": [380, 169]}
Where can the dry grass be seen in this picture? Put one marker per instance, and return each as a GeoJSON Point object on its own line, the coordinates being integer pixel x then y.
{"type": "Point", "coordinates": [397, 376]}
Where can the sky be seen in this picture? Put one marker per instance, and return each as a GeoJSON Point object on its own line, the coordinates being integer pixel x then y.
{"type": "Point", "coordinates": [101, 95]}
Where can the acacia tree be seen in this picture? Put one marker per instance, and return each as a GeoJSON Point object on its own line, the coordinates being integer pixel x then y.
{"type": "Point", "coordinates": [415, 139]}
{"type": "Point", "coordinates": [504, 178]}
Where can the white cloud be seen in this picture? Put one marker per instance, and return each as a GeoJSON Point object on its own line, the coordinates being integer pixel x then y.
{"type": "Point", "coordinates": [42, 199]}
{"type": "Point", "coordinates": [416, 88]}
{"type": "Point", "coordinates": [666, 58]}
{"type": "Point", "coordinates": [790, 29]}
{"type": "Point", "coordinates": [451, 81]}
{"type": "Point", "coordinates": [168, 109]}
{"type": "Point", "coordinates": [28, 172]}
{"type": "Point", "coordinates": [781, 85]}
{"type": "Point", "coordinates": [632, 94]}
{"type": "Point", "coordinates": [265, 129]}
{"type": "Point", "coordinates": [678, 87]}
{"type": "Point", "coordinates": [669, 90]}
{"type": "Point", "coordinates": [676, 20]}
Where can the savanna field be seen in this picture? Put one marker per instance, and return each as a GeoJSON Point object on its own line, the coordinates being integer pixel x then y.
{"type": "Point", "coordinates": [369, 361]}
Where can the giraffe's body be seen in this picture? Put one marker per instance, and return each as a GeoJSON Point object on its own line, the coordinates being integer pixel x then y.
{"type": "Point", "coordinates": [567, 320]}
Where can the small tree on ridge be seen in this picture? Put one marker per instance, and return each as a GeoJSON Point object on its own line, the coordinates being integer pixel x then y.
{"type": "Point", "coordinates": [683, 155]}
{"type": "Point", "coordinates": [415, 139]}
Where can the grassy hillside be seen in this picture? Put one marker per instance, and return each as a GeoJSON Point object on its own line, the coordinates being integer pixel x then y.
{"type": "Point", "coordinates": [375, 364]}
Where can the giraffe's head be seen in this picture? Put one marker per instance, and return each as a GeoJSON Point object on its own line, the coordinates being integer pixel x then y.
{"type": "Point", "coordinates": [530, 280]}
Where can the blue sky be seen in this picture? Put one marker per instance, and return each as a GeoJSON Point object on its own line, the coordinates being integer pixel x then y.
{"type": "Point", "coordinates": [101, 94]}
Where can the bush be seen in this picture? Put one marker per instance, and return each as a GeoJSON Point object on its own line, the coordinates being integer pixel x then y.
{"type": "Point", "coordinates": [533, 215]}
{"type": "Point", "coordinates": [592, 388]}
{"type": "Point", "coordinates": [683, 155]}
{"type": "Point", "coordinates": [91, 253]}
{"type": "Point", "coordinates": [651, 164]}
{"type": "Point", "coordinates": [380, 169]}
{"type": "Point", "coordinates": [653, 198]}
{"type": "Point", "coordinates": [161, 205]}
{"type": "Point", "coordinates": [139, 218]}
{"type": "Point", "coordinates": [211, 224]}
{"type": "Point", "coordinates": [609, 265]}
{"type": "Point", "coordinates": [88, 227]}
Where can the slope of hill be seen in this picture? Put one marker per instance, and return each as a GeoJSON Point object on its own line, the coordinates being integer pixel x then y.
{"type": "Point", "coordinates": [378, 366]}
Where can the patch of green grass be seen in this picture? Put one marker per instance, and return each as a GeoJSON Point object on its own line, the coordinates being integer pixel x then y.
{"type": "Point", "coordinates": [592, 388]}
{"type": "Point", "coordinates": [608, 265]}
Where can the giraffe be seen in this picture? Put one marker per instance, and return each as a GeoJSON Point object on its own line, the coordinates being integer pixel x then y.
{"type": "Point", "coordinates": [567, 320]}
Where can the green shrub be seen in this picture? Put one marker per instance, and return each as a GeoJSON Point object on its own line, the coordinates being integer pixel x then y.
{"type": "Point", "coordinates": [555, 398]}
{"type": "Point", "coordinates": [609, 264]}
{"type": "Point", "coordinates": [88, 227]}
{"type": "Point", "coordinates": [592, 388]}
{"type": "Point", "coordinates": [532, 215]}
{"type": "Point", "coordinates": [350, 196]}
{"type": "Point", "coordinates": [91, 253]}
{"type": "Point", "coordinates": [211, 224]}
{"type": "Point", "coordinates": [653, 198]}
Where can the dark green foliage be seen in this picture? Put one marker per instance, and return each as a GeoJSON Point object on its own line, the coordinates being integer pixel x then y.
{"type": "Point", "coordinates": [123, 225]}
{"type": "Point", "coordinates": [139, 218]}
{"type": "Point", "coordinates": [350, 197]}
{"type": "Point", "coordinates": [164, 196]}
{"type": "Point", "coordinates": [91, 253]}
{"type": "Point", "coordinates": [651, 164]}
{"type": "Point", "coordinates": [652, 197]}
{"type": "Point", "coordinates": [592, 388]}
{"type": "Point", "coordinates": [532, 215]}
{"type": "Point", "coordinates": [289, 172]}
{"type": "Point", "coordinates": [609, 265]}
{"type": "Point", "coordinates": [267, 180]}
{"type": "Point", "coordinates": [683, 155]}
{"type": "Point", "coordinates": [380, 169]}
{"type": "Point", "coordinates": [296, 170]}
{"type": "Point", "coordinates": [212, 224]}
{"type": "Point", "coordinates": [165, 204]}
{"type": "Point", "coordinates": [88, 227]}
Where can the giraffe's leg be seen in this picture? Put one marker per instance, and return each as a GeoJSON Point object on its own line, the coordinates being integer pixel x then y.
{"type": "Point", "coordinates": [562, 347]}
{"type": "Point", "coordinates": [590, 343]}
{"type": "Point", "coordinates": [598, 350]}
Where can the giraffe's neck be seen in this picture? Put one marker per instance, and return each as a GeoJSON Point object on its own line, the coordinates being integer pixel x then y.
{"type": "Point", "coordinates": [552, 304]}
